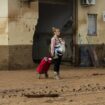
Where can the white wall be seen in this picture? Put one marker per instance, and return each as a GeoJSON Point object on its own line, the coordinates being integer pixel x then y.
{"type": "Point", "coordinates": [22, 21]}
{"type": "Point", "coordinates": [3, 22]}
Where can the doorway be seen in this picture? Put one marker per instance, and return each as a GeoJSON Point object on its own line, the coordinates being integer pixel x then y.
{"type": "Point", "coordinates": [54, 14]}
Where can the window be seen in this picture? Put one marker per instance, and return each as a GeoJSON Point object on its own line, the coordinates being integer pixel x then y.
{"type": "Point", "coordinates": [92, 24]}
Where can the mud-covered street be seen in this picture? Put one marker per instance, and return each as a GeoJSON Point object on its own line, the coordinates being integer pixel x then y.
{"type": "Point", "coordinates": [77, 87]}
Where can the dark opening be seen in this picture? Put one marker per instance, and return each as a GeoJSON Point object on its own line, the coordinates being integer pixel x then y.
{"type": "Point", "coordinates": [42, 95]}
{"type": "Point", "coordinates": [58, 14]}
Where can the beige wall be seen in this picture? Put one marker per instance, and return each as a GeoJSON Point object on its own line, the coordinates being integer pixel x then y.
{"type": "Point", "coordinates": [3, 22]}
{"type": "Point", "coordinates": [22, 21]}
{"type": "Point", "coordinates": [98, 9]}
{"type": "Point", "coordinates": [4, 34]}
{"type": "Point", "coordinates": [17, 27]}
{"type": "Point", "coordinates": [21, 27]}
{"type": "Point", "coordinates": [17, 22]}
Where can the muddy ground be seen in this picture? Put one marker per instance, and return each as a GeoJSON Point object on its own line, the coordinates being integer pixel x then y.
{"type": "Point", "coordinates": [78, 86]}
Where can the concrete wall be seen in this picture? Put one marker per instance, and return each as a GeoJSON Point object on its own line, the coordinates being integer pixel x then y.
{"type": "Point", "coordinates": [17, 26]}
{"type": "Point", "coordinates": [4, 34]}
{"type": "Point", "coordinates": [98, 41]}
{"type": "Point", "coordinates": [21, 27]}
{"type": "Point", "coordinates": [83, 12]}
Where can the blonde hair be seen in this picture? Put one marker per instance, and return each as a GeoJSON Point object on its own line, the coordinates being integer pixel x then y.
{"type": "Point", "coordinates": [54, 29]}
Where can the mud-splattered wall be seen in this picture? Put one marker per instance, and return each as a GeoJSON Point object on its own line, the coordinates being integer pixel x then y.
{"type": "Point", "coordinates": [18, 19]}
{"type": "Point", "coordinates": [3, 34]}
{"type": "Point", "coordinates": [23, 15]}
{"type": "Point", "coordinates": [17, 26]}
{"type": "Point", "coordinates": [22, 20]}
{"type": "Point", "coordinates": [98, 40]}
{"type": "Point", "coordinates": [83, 12]}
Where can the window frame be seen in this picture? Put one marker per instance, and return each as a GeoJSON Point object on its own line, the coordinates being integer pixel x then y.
{"type": "Point", "coordinates": [89, 34]}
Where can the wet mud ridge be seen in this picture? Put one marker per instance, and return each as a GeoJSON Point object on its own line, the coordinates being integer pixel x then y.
{"type": "Point", "coordinates": [51, 93]}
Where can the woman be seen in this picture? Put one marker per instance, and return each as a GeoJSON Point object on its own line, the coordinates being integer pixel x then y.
{"type": "Point", "coordinates": [57, 50]}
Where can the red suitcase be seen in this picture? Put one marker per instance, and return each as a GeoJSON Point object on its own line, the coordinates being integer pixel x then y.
{"type": "Point", "coordinates": [44, 65]}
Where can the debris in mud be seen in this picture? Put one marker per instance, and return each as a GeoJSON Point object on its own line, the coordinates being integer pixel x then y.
{"type": "Point", "coordinates": [41, 95]}
{"type": "Point", "coordinates": [49, 101]}
{"type": "Point", "coordinates": [97, 74]}
{"type": "Point", "coordinates": [51, 93]}
{"type": "Point", "coordinates": [70, 100]}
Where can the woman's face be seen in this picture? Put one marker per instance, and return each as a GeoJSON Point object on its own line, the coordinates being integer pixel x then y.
{"type": "Point", "coordinates": [57, 32]}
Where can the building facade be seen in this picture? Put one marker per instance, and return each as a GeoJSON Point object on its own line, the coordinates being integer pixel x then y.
{"type": "Point", "coordinates": [25, 31]}
{"type": "Point", "coordinates": [91, 32]}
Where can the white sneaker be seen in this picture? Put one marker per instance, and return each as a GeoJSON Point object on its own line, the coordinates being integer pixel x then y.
{"type": "Point", "coordinates": [56, 76]}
